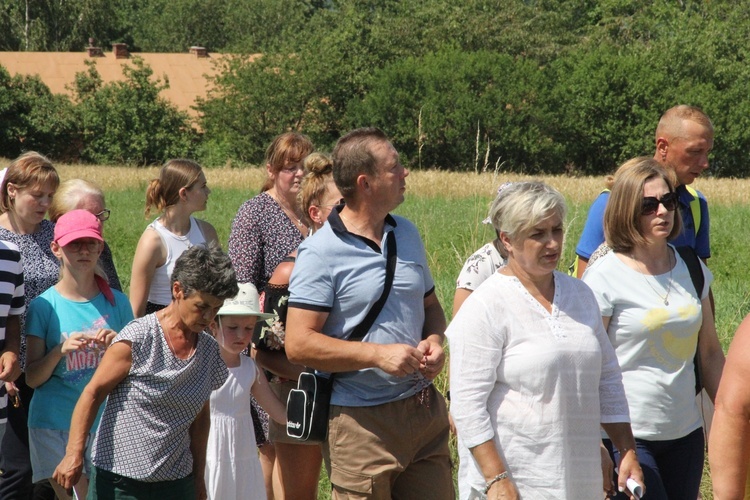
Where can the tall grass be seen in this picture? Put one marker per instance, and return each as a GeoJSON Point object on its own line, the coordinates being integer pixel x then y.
{"type": "Point", "coordinates": [448, 209]}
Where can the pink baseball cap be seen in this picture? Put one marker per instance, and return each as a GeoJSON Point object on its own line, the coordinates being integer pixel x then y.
{"type": "Point", "coordinates": [75, 225]}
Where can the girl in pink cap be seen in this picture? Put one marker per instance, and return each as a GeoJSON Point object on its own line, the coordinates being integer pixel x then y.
{"type": "Point", "coordinates": [68, 328]}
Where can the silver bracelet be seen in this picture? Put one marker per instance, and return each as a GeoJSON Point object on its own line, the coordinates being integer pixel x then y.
{"type": "Point", "coordinates": [499, 477]}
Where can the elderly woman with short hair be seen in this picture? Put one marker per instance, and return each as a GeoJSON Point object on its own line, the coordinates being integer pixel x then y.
{"type": "Point", "coordinates": [533, 375]}
{"type": "Point", "coordinates": [157, 377]}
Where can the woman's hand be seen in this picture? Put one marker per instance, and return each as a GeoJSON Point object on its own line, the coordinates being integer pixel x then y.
{"type": "Point", "coordinates": [10, 367]}
{"type": "Point", "coordinates": [630, 469]}
{"type": "Point", "coordinates": [608, 467]}
{"type": "Point", "coordinates": [505, 489]}
{"type": "Point", "coordinates": [68, 471]}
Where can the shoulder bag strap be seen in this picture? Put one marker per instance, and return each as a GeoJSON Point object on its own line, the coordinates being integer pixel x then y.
{"type": "Point", "coordinates": [694, 267]}
{"type": "Point", "coordinates": [390, 269]}
{"type": "Point", "coordinates": [696, 276]}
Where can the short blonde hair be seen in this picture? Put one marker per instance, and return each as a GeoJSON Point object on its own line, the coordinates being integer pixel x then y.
{"type": "Point", "coordinates": [622, 217]}
{"type": "Point", "coordinates": [670, 123]}
{"type": "Point", "coordinates": [69, 194]}
{"type": "Point", "coordinates": [523, 205]}
{"type": "Point", "coordinates": [27, 171]}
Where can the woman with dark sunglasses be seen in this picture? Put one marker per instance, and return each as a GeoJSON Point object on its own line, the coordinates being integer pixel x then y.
{"type": "Point", "coordinates": [655, 319]}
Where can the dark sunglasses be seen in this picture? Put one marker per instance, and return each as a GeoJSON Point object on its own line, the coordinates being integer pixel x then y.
{"type": "Point", "coordinates": [651, 204]}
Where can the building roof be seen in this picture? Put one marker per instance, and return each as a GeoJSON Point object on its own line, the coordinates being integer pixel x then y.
{"type": "Point", "coordinates": [186, 73]}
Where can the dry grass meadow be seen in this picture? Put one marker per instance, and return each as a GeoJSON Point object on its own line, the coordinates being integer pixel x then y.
{"type": "Point", "coordinates": [420, 183]}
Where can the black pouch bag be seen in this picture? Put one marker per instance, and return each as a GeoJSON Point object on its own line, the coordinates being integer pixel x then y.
{"type": "Point", "coordinates": [307, 408]}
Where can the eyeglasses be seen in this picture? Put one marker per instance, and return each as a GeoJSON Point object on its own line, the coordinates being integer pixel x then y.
{"type": "Point", "coordinates": [340, 202]}
{"type": "Point", "coordinates": [104, 214]}
{"type": "Point", "coordinates": [293, 169]}
{"type": "Point", "coordinates": [77, 245]}
{"type": "Point", "coordinates": [651, 204]}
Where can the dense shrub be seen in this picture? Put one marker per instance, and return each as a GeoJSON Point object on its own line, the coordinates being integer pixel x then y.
{"type": "Point", "coordinates": [435, 106]}
{"type": "Point", "coordinates": [127, 121]}
{"type": "Point", "coordinates": [32, 118]}
{"type": "Point", "coordinates": [530, 86]}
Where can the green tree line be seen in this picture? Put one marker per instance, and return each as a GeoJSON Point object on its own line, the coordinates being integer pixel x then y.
{"type": "Point", "coordinates": [520, 85]}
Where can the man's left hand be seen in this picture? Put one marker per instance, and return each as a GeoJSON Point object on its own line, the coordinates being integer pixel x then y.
{"type": "Point", "coordinates": [433, 358]}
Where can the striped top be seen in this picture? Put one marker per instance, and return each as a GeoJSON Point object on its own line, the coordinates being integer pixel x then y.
{"type": "Point", "coordinates": [11, 299]}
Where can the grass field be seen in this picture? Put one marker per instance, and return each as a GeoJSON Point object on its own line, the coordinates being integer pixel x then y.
{"type": "Point", "coordinates": [448, 209]}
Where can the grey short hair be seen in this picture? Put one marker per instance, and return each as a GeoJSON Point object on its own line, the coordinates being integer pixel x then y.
{"type": "Point", "coordinates": [207, 269]}
{"type": "Point", "coordinates": [523, 205]}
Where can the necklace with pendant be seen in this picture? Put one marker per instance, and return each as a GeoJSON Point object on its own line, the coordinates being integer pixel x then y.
{"type": "Point", "coordinates": [664, 298]}
{"type": "Point", "coordinates": [360, 231]}
{"type": "Point", "coordinates": [169, 342]}
{"type": "Point", "coordinates": [293, 216]}
{"type": "Point", "coordinates": [171, 347]}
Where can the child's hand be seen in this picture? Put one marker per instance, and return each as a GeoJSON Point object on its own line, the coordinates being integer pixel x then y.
{"type": "Point", "coordinates": [75, 342]}
{"type": "Point", "coordinates": [103, 337]}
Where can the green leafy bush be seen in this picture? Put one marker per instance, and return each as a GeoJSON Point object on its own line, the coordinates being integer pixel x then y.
{"type": "Point", "coordinates": [435, 106]}
{"type": "Point", "coordinates": [127, 121]}
{"type": "Point", "coordinates": [32, 118]}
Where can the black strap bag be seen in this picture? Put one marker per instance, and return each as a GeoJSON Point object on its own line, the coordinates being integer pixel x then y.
{"type": "Point", "coordinates": [696, 276]}
{"type": "Point", "coordinates": [307, 406]}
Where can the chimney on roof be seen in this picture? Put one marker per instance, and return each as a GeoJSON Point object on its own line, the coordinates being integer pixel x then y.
{"type": "Point", "coordinates": [120, 50]}
{"type": "Point", "coordinates": [199, 51]}
{"type": "Point", "coordinates": [94, 51]}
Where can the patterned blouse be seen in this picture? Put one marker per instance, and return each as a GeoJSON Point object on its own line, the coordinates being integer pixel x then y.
{"type": "Point", "coordinates": [479, 266]}
{"type": "Point", "coordinates": [41, 269]}
{"type": "Point", "coordinates": [144, 431]}
{"type": "Point", "coordinates": [261, 237]}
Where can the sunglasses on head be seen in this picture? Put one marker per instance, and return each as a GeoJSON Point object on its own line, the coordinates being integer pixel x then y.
{"type": "Point", "coordinates": [651, 204]}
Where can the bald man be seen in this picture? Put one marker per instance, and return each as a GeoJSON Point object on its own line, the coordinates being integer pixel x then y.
{"type": "Point", "coordinates": [684, 138]}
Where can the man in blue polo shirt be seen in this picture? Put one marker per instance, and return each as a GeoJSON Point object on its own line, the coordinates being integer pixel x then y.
{"type": "Point", "coordinates": [684, 138]}
{"type": "Point", "coordinates": [388, 426]}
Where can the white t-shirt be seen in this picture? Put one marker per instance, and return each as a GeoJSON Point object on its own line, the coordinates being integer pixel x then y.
{"type": "Point", "coordinates": [536, 383]}
{"type": "Point", "coordinates": [655, 343]}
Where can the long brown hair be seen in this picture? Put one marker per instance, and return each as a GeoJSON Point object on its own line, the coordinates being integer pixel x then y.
{"type": "Point", "coordinates": [164, 191]}
{"type": "Point", "coordinates": [286, 148]}
{"type": "Point", "coordinates": [622, 217]}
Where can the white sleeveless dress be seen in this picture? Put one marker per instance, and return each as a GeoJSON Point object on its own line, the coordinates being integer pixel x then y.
{"type": "Point", "coordinates": [232, 466]}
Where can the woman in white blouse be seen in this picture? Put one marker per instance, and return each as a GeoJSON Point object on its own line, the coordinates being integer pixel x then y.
{"type": "Point", "coordinates": [533, 376]}
{"type": "Point", "coordinates": [656, 320]}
